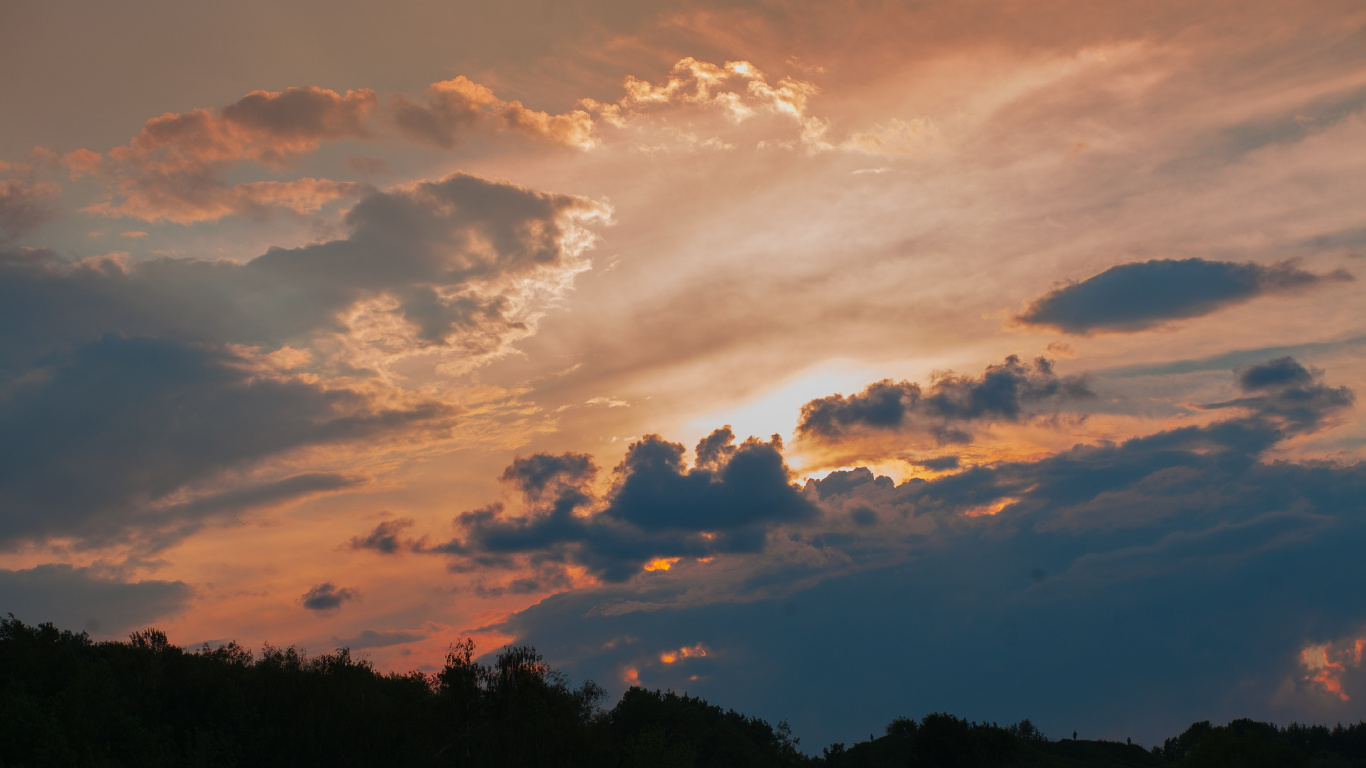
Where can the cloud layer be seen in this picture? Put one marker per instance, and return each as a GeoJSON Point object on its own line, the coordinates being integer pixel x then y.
{"type": "Point", "coordinates": [1025, 587]}
{"type": "Point", "coordinates": [138, 387]}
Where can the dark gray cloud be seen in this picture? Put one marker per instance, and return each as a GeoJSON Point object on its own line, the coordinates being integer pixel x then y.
{"type": "Point", "coordinates": [658, 508]}
{"type": "Point", "coordinates": [1288, 392]}
{"type": "Point", "coordinates": [82, 598]}
{"type": "Point", "coordinates": [939, 463]}
{"type": "Point", "coordinates": [1120, 590]}
{"type": "Point", "coordinates": [98, 441]}
{"type": "Point", "coordinates": [384, 537]}
{"type": "Point", "coordinates": [328, 597]}
{"type": "Point", "coordinates": [1143, 294]}
{"type": "Point", "coordinates": [127, 388]}
{"type": "Point", "coordinates": [540, 473]}
{"type": "Point", "coordinates": [1275, 375]}
{"type": "Point", "coordinates": [951, 404]}
{"type": "Point", "coordinates": [24, 207]}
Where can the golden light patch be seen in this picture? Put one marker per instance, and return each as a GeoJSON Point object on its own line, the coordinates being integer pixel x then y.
{"type": "Point", "coordinates": [661, 563]}
{"type": "Point", "coordinates": [994, 508]}
{"type": "Point", "coordinates": [631, 676]}
{"type": "Point", "coordinates": [690, 652]}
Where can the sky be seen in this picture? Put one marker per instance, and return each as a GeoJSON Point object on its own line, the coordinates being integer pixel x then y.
{"type": "Point", "coordinates": [831, 361]}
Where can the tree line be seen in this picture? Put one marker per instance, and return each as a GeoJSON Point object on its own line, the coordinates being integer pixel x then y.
{"type": "Point", "coordinates": [67, 700]}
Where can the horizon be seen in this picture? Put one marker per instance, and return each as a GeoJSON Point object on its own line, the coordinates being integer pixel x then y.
{"type": "Point", "coordinates": [832, 362]}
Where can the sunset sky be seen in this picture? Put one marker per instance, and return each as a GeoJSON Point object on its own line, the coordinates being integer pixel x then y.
{"type": "Point", "coordinates": [833, 361]}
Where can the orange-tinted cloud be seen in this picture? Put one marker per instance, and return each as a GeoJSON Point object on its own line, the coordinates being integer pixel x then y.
{"type": "Point", "coordinates": [453, 107]}
{"type": "Point", "coordinates": [172, 169]}
{"type": "Point", "coordinates": [1327, 664]}
{"type": "Point", "coordinates": [686, 652]}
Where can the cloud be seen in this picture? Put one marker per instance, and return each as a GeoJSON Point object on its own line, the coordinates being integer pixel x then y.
{"type": "Point", "coordinates": [1140, 295]}
{"type": "Point", "coordinates": [452, 108]}
{"type": "Point", "coordinates": [658, 508]}
{"type": "Point", "coordinates": [173, 168]}
{"type": "Point", "coordinates": [327, 597]}
{"type": "Point", "coordinates": [1284, 390]}
{"type": "Point", "coordinates": [384, 537]}
{"type": "Point", "coordinates": [1144, 479]}
{"type": "Point", "coordinates": [82, 598]}
{"type": "Point", "coordinates": [125, 434]}
{"type": "Point", "coordinates": [538, 474]}
{"type": "Point", "coordinates": [1182, 560]}
{"type": "Point", "coordinates": [24, 207]}
{"type": "Point", "coordinates": [939, 463]}
{"type": "Point", "coordinates": [1003, 393]}
{"type": "Point", "coordinates": [737, 89]}
{"type": "Point", "coordinates": [144, 399]}
{"type": "Point", "coordinates": [460, 264]}
{"type": "Point", "coordinates": [1275, 375]}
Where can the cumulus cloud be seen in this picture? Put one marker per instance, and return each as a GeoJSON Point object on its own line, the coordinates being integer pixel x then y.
{"type": "Point", "coordinates": [173, 168]}
{"type": "Point", "coordinates": [948, 407]}
{"type": "Point", "coordinates": [145, 397]}
{"type": "Point", "coordinates": [452, 108]}
{"type": "Point", "coordinates": [24, 206]}
{"type": "Point", "coordinates": [657, 508]}
{"type": "Point", "coordinates": [1143, 294]}
{"type": "Point", "coordinates": [1182, 560]}
{"type": "Point", "coordinates": [83, 598]}
{"type": "Point", "coordinates": [327, 597]}
{"type": "Point", "coordinates": [542, 473]}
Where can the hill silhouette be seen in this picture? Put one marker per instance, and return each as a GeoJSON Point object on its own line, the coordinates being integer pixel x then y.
{"type": "Point", "coordinates": [67, 700]}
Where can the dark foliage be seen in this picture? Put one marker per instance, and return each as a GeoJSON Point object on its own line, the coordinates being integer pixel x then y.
{"type": "Point", "coordinates": [1249, 744]}
{"type": "Point", "coordinates": [66, 700]}
{"type": "Point", "coordinates": [944, 741]}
